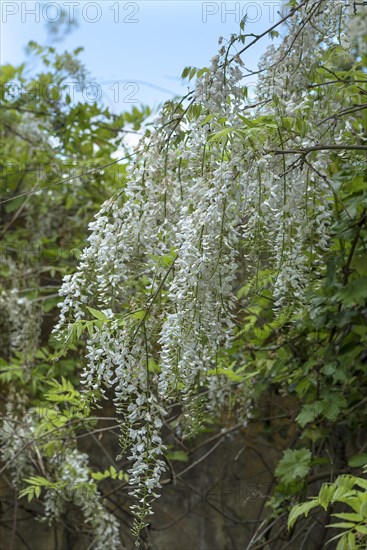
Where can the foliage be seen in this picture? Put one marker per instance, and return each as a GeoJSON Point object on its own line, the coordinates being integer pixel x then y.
{"type": "Point", "coordinates": [227, 263]}
{"type": "Point", "coordinates": [349, 490]}
{"type": "Point", "coordinates": [294, 464]}
{"type": "Point", "coordinates": [58, 164]}
{"type": "Point", "coordinates": [221, 192]}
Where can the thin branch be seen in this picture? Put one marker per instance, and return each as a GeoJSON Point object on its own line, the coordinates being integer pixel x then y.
{"type": "Point", "coordinates": [308, 150]}
{"type": "Point", "coordinates": [65, 180]}
{"type": "Point", "coordinates": [260, 36]}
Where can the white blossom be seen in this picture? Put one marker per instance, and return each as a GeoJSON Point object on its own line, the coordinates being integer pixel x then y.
{"type": "Point", "coordinates": [210, 193]}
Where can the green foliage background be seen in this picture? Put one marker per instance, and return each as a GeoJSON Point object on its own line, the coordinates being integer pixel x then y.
{"type": "Point", "coordinates": [59, 165]}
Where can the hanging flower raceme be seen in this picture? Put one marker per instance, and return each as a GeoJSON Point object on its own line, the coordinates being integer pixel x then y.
{"type": "Point", "coordinates": [215, 188]}
{"type": "Point", "coordinates": [69, 468]}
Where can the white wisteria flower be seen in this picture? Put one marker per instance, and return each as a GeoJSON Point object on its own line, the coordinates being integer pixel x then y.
{"type": "Point", "coordinates": [216, 188]}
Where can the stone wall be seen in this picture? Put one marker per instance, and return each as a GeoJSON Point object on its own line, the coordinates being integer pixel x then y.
{"type": "Point", "coordinates": [215, 501]}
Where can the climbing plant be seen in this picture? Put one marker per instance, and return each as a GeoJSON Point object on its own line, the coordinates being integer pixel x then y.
{"type": "Point", "coordinates": [228, 261]}
{"type": "Point", "coordinates": [58, 164]}
{"type": "Point", "coordinates": [229, 190]}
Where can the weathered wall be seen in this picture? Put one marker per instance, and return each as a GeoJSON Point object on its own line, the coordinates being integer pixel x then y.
{"type": "Point", "coordinates": [218, 504]}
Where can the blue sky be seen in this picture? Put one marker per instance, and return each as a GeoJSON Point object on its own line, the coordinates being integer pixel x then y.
{"type": "Point", "coordinates": [137, 50]}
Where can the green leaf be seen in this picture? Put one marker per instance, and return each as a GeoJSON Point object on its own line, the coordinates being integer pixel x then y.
{"type": "Point", "coordinates": [326, 494]}
{"type": "Point", "coordinates": [222, 134]}
{"type": "Point", "coordinates": [192, 73]}
{"type": "Point", "coordinates": [342, 525]}
{"type": "Point", "coordinates": [14, 204]}
{"type": "Point", "coordinates": [185, 72]}
{"type": "Point", "coordinates": [97, 314]}
{"type": "Point", "coordinates": [207, 119]}
{"type": "Point", "coordinates": [180, 456]}
{"type": "Point", "coordinates": [294, 465]}
{"type": "Point", "coordinates": [299, 510]}
{"type": "Point", "coordinates": [248, 122]}
{"type": "Point", "coordinates": [139, 314]}
{"type": "Point", "coordinates": [357, 461]}
{"type": "Point", "coordinates": [50, 303]}
{"type": "Point", "coordinates": [98, 476]}
{"type": "Point", "coordinates": [355, 293]}
{"type": "Point", "coordinates": [349, 516]}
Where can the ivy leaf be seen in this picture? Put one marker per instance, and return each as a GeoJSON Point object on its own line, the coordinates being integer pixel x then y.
{"type": "Point", "coordinates": [294, 465]}
{"type": "Point", "coordinates": [329, 408]}
{"type": "Point", "coordinates": [309, 412]}
{"type": "Point", "coordinates": [355, 293]}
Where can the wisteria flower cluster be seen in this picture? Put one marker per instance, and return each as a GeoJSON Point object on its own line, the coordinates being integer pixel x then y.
{"type": "Point", "coordinates": [221, 186]}
{"type": "Point", "coordinates": [69, 467]}
{"type": "Point", "coordinates": [19, 322]}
